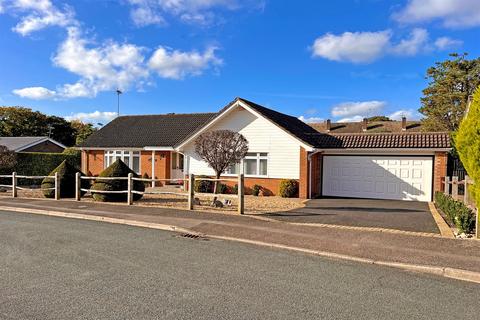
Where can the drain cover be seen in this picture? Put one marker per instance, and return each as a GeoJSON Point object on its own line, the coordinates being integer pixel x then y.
{"type": "Point", "coordinates": [192, 236]}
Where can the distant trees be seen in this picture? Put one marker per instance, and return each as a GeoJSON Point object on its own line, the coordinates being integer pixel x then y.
{"type": "Point", "coordinates": [20, 121]}
{"type": "Point", "coordinates": [379, 118]}
{"type": "Point", "coordinates": [445, 99]}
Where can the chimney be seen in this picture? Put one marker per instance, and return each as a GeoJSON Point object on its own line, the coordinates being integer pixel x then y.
{"type": "Point", "coordinates": [404, 123]}
{"type": "Point", "coordinates": [364, 124]}
{"type": "Point", "coordinates": [329, 125]}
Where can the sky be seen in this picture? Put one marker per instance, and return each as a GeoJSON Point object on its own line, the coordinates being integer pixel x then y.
{"type": "Point", "coordinates": [316, 60]}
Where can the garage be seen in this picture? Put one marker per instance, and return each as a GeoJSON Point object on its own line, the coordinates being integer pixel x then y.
{"type": "Point", "coordinates": [378, 177]}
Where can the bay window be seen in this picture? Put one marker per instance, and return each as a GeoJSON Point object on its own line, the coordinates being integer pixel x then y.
{"type": "Point", "coordinates": [130, 158]}
{"type": "Point", "coordinates": [253, 165]}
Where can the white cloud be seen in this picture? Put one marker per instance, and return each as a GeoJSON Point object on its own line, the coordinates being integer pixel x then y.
{"type": "Point", "coordinates": [200, 12]}
{"type": "Point", "coordinates": [93, 117]}
{"type": "Point", "coordinates": [444, 43]}
{"type": "Point", "coordinates": [175, 64]}
{"type": "Point", "coordinates": [452, 13]}
{"type": "Point", "coordinates": [408, 113]}
{"type": "Point", "coordinates": [417, 42]}
{"type": "Point", "coordinates": [358, 109]}
{"type": "Point", "coordinates": [35, 93]}
{"type": "Point", "coordinates": [351, 119]}
{"type": "Point", "coordinates": [310, 119]}
{"type": "Point", "coordinates": [39, 15]}
{"type": "Point", "coordinates": [356, 47]}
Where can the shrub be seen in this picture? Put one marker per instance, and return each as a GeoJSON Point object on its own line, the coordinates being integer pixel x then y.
{"type": "Point", "coordinates": [457, 213]}
{"type": "Point", "coordinates": [288, 188]}
{"type": "Point", "coordinates": [256, 190]}
{"type": "Point", "coordinates": [116, 169]}
{"type": "Point", "coordinates": [204, 186]}
{"type": "Point", "coordinates": [235, 189]}
{"type": "Point", "coordinates": [66, 174]}
{"type": "Point", "coordinates": [146, 183]}
{"type": "Point", "coordinates": [222, 188]}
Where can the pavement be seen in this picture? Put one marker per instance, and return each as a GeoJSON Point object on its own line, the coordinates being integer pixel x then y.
{"type": "Point", "coordinates": [436, 254]}
{"type": "Point", "coordinates": [58, 268]}
{"type": "Point", "coordinates": [391, 214]}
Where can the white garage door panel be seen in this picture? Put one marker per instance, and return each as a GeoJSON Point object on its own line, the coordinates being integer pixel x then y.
{"type": "Point", "coordinates": [378, 177]}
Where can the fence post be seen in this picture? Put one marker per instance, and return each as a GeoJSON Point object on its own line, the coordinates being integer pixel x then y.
{"type": "Point", "coordinates": [455, 188]}
{"type": "Point", "coordinates": [241, 194]}
{"type": "Point", "coordinates": [191, 190]}
{"type": "Point", "coordinates": [57, 187]}
{"type": "Point", "coordinates": [78, 186]}
{"type": "Point", "coordinates": [129, 189]}
{"type": "Point", "coordinates": [465, 191]}
{"type": "Point", "coordinates": [14, 184]}
{"type": "Point", "coordinates": [447, 185]}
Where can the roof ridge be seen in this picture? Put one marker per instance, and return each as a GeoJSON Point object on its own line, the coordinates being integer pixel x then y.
{"type": "Point", "coordinates": [383, 133]}
{"type": "Point", "coordinates": [166, 114]}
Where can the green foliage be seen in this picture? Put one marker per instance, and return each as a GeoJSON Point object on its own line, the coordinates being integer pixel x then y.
{"type": "Point", "coordinates": [41, 164]}
{"type": "Point", "coordinates": [378, 118]}
{"type": "Point", "coordinates": [456, 212]}
{"type": "Point", "coordinates": [256, 190]}
{"type": "Point", "coordinates": [116, 169]}
{"type": "Point", "coordinates": [222, 188]}
{"type": "Point", "coordinates": [66, 174]}
{"type": "Point", "coordinates": [288, 188]}
{"type": "Point", "coordinates": [23, 122]}
{"type": "Point", "coordinates": [445, 99]}
{"type": "Point", "coordinates": [235, 189]}
{"type": "Point", "coordinates": [467, 143]}
{"type": "Point", "coordinates": [8, 160]}
{"type": "Point", "coordinates": [204, 186]}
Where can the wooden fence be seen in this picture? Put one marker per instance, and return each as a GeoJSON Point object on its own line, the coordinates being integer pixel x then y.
{"type": "Point", "coordinates": [190, 183]}
{"type": "Point", "coordinates": [459, 190]}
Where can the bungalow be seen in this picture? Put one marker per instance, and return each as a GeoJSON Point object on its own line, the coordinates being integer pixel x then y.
{"type": "Point", "coordinates": [396, 162]}
{"type": "Point", "coordinates": [32, 144]}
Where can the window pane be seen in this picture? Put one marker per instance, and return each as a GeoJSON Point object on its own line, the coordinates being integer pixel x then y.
{"type": "Point", "coordinates": [234, 169]}
{"type": "Point", "coordinates": [180, 161]}
{"type": "Point", "coordinates": [174, 160]}
{"type": "Point", "coordinates": [250, 166]}
{"type": "Point", "coordinates": [263, 154]}
{"type": "Point", "coordinates": [250, 154]}
{"type": "Point", "coordinates": [263, 167]}
{"type": "Point", "coordinates": [126, 160]}
{"type": "Point", "coordinates": [136, 164]}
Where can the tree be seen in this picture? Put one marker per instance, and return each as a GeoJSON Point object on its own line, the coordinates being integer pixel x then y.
{"type": "Point", "coordinates": [379, 118]}
{"type": "Point", "coordinates": [467, 142]}
{"type": "Point", "coordinates": [8, 159]}
{"type": "Point", "coordinates": [221, 149]}
{"type": "Point", "coordinates": [83, 130]}
{"type": "Point", "coordinates": [445, 99]}
{"type": "Point", "coordinates": [61, 130]}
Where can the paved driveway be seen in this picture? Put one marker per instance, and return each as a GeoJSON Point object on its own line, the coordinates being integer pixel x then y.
{"type": "Point", "coordinates": [391, 214]}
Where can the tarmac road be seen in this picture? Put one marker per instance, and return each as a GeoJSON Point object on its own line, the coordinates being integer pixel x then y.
{"type": "Point", "coordinates": [57, 268]}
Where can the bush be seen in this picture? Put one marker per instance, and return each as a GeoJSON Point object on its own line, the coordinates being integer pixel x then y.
{"type": "Point", "coordinates": [116, 169]}
{"type": "Point", "coordinates": [66, 175]}
{"type": "Point", "coordinates": [204, 186]}
{"type": "Point", "coordinates": [256, 190]}
{"type": "Point", "coordinates": [146, 183]}
{"type": "Point", "coordinates": [457, 213]}
{"type": "Point", "coordinates": [235, 189]}
{"type": "Point", "coordinates": [222, 188]}
{"type": "Point", "coordinates": [288, 188]}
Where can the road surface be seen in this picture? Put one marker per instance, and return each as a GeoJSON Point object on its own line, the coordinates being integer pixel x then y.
{"type": "Point", "coordinates": [57, 268]}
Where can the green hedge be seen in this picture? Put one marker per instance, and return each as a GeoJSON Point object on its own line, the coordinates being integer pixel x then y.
{"type": "Point", "coordinates": [42, 163]}
{"type": "Point", "coordinates": [288, 188]}
{"type": "Point", "coordinates": [456, 212]}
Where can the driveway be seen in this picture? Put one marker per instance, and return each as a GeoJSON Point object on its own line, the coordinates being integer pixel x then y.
{"type": "Point", "coordinates": [390, 214]}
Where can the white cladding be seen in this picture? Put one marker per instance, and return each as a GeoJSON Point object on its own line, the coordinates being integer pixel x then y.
{"type": "Point", "coordinates": [379, 177]}
{"type": "Point", "coordinates": [263, 136]}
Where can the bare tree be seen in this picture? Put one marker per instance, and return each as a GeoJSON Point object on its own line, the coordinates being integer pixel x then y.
{"type": "Point", "coordinates": [221, 149]}
{"type": "Point", "coordinates": [8, 159]}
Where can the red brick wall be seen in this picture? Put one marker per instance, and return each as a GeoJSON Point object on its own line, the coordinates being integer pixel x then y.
{"type": "Point", "coordinates": [45, 146]}
{"type": "Point", "coordinates": [316, 174]}
{"type": "Point", "coordinates": [439, 170]}
{"type": "Point", "coordinates": [303, 182]}
{"type": "Point", "coordinates": [92, 162]}
{"type": "Point", "coordinates": [270, 186]}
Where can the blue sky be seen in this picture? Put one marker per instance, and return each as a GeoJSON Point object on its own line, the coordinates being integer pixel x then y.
{"type": "Point", "coordinates": [313, 59]}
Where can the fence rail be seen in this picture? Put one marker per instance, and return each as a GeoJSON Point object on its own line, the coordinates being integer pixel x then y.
{"type": "Point", "coordinates": [188, 183]}
{"type": "Point", "coordinates": [451, 188]}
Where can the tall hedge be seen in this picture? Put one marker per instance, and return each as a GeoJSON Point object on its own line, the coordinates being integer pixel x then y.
{"type": "Point", "coordinates": [467, 141]}
{"type": "Point", "coordinates": [42, 163]}
{"type": "Point", "coordinates": [66, 174]}
{"type": "Point", "coordinates": [116, 169]}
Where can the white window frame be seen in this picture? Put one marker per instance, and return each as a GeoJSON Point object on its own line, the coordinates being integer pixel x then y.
{"type": "Point", "coordinates": [257, 157]}
{"type": "Point", "coordinates": [123, 153]}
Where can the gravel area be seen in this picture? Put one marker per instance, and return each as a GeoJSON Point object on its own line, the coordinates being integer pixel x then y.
{"type": "Point", "coordinates": [253, 205]}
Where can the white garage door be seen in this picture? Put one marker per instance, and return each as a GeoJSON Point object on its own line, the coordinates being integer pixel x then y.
{"type": "Point", "coordinates": [378, 177]}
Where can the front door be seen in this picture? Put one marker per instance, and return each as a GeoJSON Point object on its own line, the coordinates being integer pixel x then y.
{"type": "Point", "coordinates": [177, 166]}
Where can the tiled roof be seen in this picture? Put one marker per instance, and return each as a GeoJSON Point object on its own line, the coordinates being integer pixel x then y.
{"type": "Point", "coordinates": [372, 126]}
{"type": "Point", "coordinates": [417, 140]}
{"type": "Point", "coordinates": [18, 143]}
{"type": "Point", "coordinates": [162, 130]}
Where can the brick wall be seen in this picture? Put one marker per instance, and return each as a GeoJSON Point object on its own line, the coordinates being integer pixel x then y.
{"type": "Point", "coordinates": [92, 162]}
{"type": "Point", "coordinates": [316, 175]}
{"type": "Point", "coordinates": [439, 170]}
{"type": "Point", "coordinates": [45, 146]}
{"type": "Point", "coordinates": [303, 182]}
{"type": "Point", "coordinates": [270, 186]}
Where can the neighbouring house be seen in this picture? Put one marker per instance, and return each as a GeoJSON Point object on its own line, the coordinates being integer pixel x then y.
{"type": "Point", "coordinates": [340, 160]}
{"type": "Point", "coordinates": [32, 144]}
